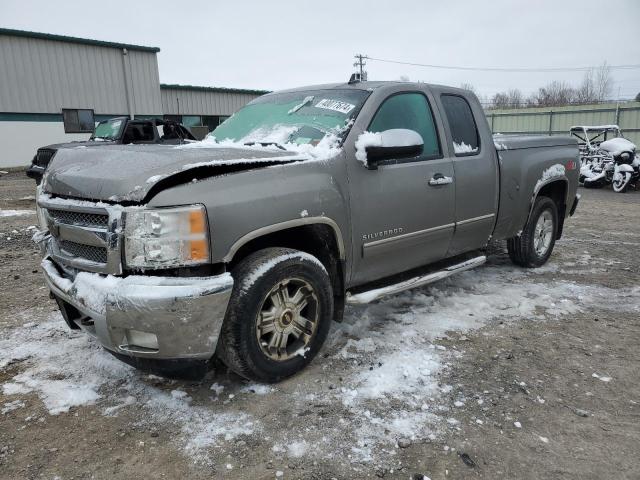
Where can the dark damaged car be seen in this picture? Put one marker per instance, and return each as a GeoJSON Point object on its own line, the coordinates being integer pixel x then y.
{"type": "Point", "coordinates": [118, 130]}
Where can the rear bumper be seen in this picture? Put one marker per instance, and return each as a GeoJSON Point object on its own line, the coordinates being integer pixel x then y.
{"type": "Point", "coordinates": [167, 318]}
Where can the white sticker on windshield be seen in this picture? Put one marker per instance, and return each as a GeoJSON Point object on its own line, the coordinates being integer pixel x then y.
{"type": "Point", "coordinates": [335, 105]}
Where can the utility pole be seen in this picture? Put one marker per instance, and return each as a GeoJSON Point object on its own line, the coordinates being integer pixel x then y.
{"type": "Point", "coordinates": [360, 63]}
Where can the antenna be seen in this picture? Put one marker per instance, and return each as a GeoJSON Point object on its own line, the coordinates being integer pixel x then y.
{"type": "Point", "coordinates": [360, 63]}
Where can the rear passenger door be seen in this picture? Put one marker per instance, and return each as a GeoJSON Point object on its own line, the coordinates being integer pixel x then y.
{"type": "Point", "coordinates": [475, 170]}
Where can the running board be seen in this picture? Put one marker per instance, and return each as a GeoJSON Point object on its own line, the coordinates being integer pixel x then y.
{"type": "Point", "coordinates": [377, 293]}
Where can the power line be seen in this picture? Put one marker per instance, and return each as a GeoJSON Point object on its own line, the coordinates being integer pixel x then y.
{"type": "Point", "coordinates": [505, 69]}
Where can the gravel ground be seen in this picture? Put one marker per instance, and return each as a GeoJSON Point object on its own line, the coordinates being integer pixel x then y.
{"type": "Point", "coordinates": [497, 373]}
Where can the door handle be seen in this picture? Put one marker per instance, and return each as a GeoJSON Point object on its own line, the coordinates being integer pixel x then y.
{"type": "Point", "coordinates": [440, 179]}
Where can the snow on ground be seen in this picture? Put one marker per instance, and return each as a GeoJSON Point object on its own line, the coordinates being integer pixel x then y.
{"type": "Point", "coordinates": [16, 213]}
{"type": "Point", "coordinates": [388, 354]}
{"type": "Point", "coordinates": [94, 377]}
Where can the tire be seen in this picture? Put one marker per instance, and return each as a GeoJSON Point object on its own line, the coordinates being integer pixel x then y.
{"type": "Point", "coordinates": [270, 288]}
{"type": "Point", "coordinates": [533, 247]}
{"type": "Point", "coordinates": [621, 185]}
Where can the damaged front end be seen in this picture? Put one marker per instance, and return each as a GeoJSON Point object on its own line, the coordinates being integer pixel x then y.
{"type": "Point", "coordinates": [136, 316]}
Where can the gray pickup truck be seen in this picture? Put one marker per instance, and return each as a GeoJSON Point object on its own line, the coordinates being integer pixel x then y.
{"type": "Point", "coordinates": [244, 247]}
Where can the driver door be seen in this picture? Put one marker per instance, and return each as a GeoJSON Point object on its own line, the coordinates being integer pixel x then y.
{"type": "Point", "coordinates": [400, 217]}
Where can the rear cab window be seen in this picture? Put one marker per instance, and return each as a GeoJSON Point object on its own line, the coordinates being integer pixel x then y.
{"type": "Point", "coordinates": [466, 140]}
{"type": "Point", "coordinates": [412, 111]}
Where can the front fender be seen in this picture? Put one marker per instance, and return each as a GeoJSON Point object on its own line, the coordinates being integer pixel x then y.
{"type": "Point", "coordinates": [245, 205]}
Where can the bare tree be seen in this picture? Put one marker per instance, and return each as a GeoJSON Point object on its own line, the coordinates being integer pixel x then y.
{"type": "Point", "coordinates": [586, 92]}
{"type": "Point", "coordinates": [553, 94]}
{"type": "Point", "coordinates": [500, 100]}
{"type": "Point", "coordinates": [602, 82]}
{"type": "Point", "coordinates": [516, 99]}
{"type": "Point", "coordinates": [595, 87]}
{"type": "Point", "coordinates": [511, 99]}
{"type": "Point", "coordinates": [468, 86]}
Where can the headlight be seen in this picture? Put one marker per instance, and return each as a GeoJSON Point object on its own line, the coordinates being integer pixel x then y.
{"type": "Point", "coordinates": [166, 237]}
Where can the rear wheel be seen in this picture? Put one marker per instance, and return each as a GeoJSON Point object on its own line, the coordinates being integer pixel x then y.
{"type": "Point", "coordinates": [533, 247]}
{"type": "Point", "coordinates": [278, 316]}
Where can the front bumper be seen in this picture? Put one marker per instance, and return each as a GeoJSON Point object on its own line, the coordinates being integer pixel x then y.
{"type": "Point", "coordinates": [145, 316]}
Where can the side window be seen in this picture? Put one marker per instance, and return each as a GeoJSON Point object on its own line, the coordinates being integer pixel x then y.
{"type": "Point", "coordinates": [411, 111]}
{"type": "Point", "coordinates": [466, 140]}
{"type": "Point", "coordinates": [78, 120]}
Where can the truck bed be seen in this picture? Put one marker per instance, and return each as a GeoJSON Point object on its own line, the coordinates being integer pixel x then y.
{"type": "Point", "coordinates": [527, 163]}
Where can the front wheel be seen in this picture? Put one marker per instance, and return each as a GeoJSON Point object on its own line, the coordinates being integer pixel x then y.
{"type": "Point", "coordinates": [533, 247]}
{"type": "Point", "coordinates": [278, 316]}
{"type": "Point", "coordinates": [621, 181]}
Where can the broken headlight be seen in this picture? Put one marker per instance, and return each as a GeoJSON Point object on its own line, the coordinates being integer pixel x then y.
{"type": "Point", "coordinates": [166, 237]}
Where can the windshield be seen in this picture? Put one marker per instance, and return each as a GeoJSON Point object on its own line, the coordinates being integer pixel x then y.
{"type": "Point", "coordinates": [302, 118]}
{"type": "Point", "coordinates": [109, 130]}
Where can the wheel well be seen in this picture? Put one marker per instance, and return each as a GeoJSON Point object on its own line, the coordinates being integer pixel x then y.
{"type": "Point", "coordinates": [557, 191]}
{"type": "Point", "coordinates": [318, 240]}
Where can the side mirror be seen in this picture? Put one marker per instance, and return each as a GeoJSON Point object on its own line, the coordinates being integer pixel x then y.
{"type": "Point", "coordinates": [373, 148]}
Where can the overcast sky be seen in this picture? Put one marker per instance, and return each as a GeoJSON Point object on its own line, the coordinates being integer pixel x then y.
{"type": "Point", "coordinates": [279, 44]}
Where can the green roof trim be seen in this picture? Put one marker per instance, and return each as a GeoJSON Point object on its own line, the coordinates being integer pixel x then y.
{"type": "Point", "coordinates": [84, 41]}
{"type": "Point", "coordinates": [213, 89]}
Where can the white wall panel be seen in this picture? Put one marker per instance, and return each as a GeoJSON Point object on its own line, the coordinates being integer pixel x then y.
{"type": "Point", "coordinates": [20, 140]}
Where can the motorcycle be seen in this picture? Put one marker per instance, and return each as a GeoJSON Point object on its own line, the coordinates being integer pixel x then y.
{"type": "Point", "coordinates": [612, 161]}
{"type": "Point", "coordinates": [626, 164]}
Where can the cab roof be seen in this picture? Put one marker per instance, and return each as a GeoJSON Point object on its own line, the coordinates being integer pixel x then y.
{"type": "Point", "coordinates": [369, 86]}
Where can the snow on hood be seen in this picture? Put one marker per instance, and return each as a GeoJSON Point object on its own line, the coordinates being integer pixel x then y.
{"type": "Point", "coordinates": [616, 146]}
{"type": "Point", "coordinates": [128, 172]}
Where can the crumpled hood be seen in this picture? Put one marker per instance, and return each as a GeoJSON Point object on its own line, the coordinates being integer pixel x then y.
{"type": "Point", "coordinates": [128, 172]}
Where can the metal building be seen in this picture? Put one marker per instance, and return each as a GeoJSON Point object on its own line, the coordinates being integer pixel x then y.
{"type": "Point", "coordinates": [207, 106]}
{"type": "Point", "coordinates": [54, 88]}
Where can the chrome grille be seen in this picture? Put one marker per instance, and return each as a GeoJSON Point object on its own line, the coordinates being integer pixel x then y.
{"type": "Point", "coordinates": [79, 218]}
{"type": "Point", "coordinates": [91, 253]}
{"type": "Point", "coordinates": [83, 237]}
{"type": "Point", "coordinates": [43, 157]}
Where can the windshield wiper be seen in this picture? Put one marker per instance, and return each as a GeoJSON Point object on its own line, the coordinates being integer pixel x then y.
{"type": "Point", "coordinates": [266, 144]}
